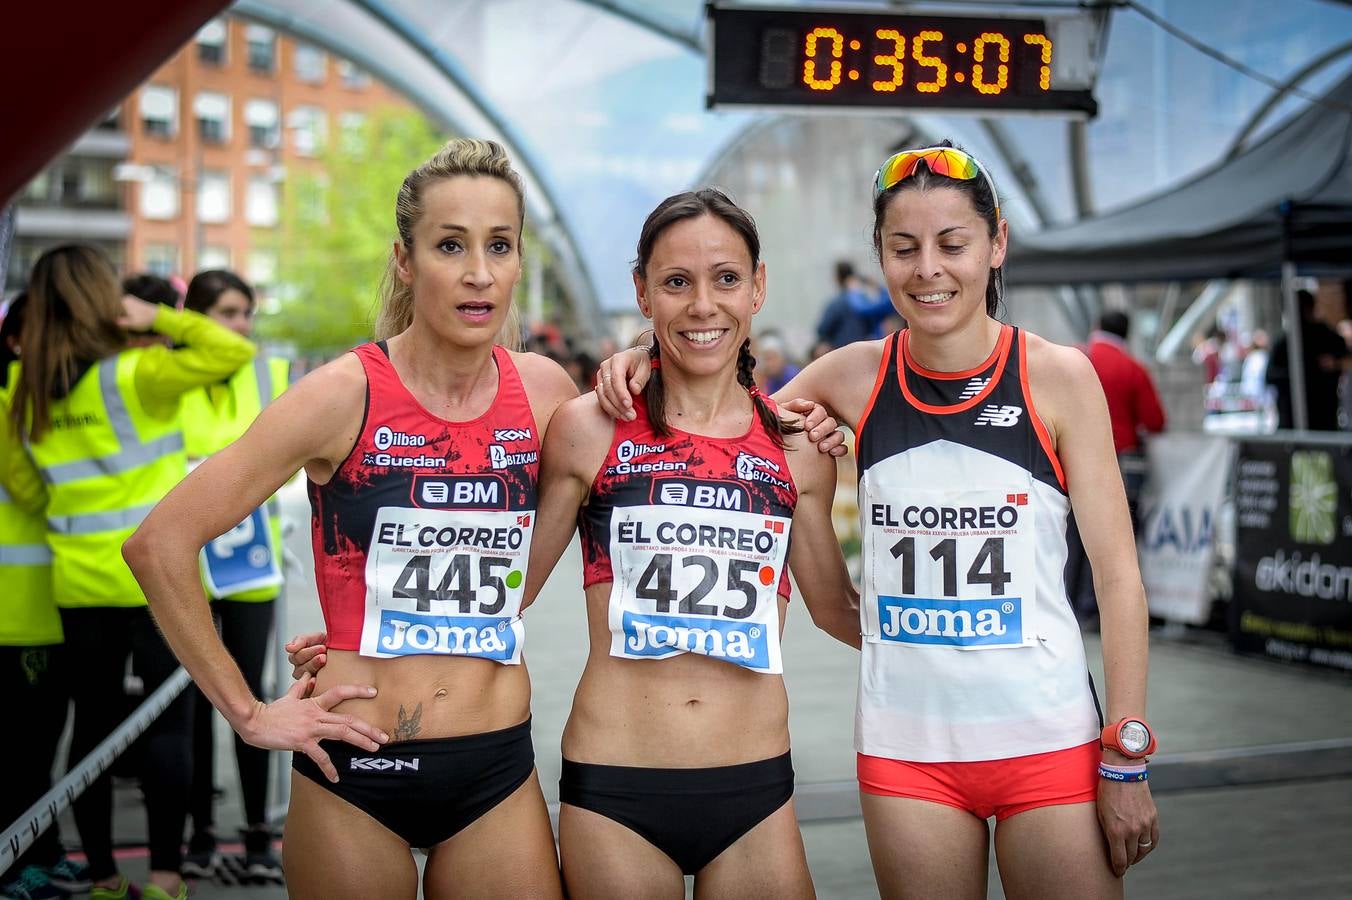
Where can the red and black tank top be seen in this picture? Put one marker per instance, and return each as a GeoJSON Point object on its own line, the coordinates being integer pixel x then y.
{"type": "Point", "coordinates": [422, 534]}
{"type": "Point", "coordinates": [692, 532]}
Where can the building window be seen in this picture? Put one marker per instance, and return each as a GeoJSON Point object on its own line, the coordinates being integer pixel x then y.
{"type": "Point", "coordinates": [310, 63]}
{"type": "Point", "coordinates": [89, 182]}
{"type": "Point", "coordinates": [352, 75]}
{"type": "Point", "coordinates": [39, 190]}
{"type": "Point", "coordinates": [162, 259]}
{"type": "Point", "coordinates": [159, 111]}
{"type": "Point", "coordinates": [310, 129]}
{"type": "Point", "coordinates": [212, 257]}
{"type": "Point", "coordinates": [262, 44]}
{"type": "Point", "coordinates": [262, 268]}
{"type": "Point", "coordinates": [213, 197]}
{"type": "Point", "coordinates": [260, 204]}
{"type": "Point", "coordinates": [211, 39]}
{"type": "Point", "coordinates": [159, 194]}
{"type": "Point", "coordinates": [213, 117]}
{"type": "Point", "coordinates": [261, 118]}
{"type": "Point", "coordinates": [351, 132]}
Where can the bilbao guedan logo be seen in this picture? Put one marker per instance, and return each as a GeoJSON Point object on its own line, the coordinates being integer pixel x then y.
{"type": "Point", "coordinates": [1314, 497]}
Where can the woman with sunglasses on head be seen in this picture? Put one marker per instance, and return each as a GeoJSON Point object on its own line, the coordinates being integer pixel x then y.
{"type": "Point", "coordinates": [975, 440]}
{"type": "Point", "coordinates": [676, 753]}
{"type": "Point", "coordinates": [422, 452]}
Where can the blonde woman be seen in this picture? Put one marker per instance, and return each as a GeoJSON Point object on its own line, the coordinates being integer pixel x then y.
{"type": "Point", "coordinates": [422, 454]}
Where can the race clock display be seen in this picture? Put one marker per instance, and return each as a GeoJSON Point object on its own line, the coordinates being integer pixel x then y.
{"type": "Point", "coordinates": [830, 58]}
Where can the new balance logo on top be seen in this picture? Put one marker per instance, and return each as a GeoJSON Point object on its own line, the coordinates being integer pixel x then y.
{"type": "Point", "coordinates": [381, 764]}
{"type": "Point", "coordinates": [1001, 416]}
{"type": "Point", "coordinates": [974, 387]}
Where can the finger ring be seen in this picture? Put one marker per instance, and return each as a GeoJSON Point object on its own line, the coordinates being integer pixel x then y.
{"type": "Point", "coordinates": [1145, 843]}
{"type": "Point", "coordinates": [605, 376]}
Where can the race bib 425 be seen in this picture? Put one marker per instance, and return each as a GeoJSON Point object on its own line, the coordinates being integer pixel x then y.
{"type": "Point", "coordinates": [697, 581]}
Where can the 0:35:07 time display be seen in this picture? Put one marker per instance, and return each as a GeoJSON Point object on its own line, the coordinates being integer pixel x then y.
{"type": "Point", "coordinates": [868, 59]}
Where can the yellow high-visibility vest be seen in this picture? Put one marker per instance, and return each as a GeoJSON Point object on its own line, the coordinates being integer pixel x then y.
{"type": "Point", "coordinates": [28, 617]}
{"type": "Point", "coordinates": [218, 414]}
{"type": "Point", "coordinates": [107, 462]}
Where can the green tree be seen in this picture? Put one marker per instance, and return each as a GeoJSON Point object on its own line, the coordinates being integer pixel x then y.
{"type": "Point", "coordinates": [337, 226]}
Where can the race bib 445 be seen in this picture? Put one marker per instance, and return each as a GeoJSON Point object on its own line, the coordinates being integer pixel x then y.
{"type": "Point", "coordinates": [446, 582]}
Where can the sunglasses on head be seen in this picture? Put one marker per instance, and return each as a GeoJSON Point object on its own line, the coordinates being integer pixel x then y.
{"type": "Point", "coordinates": [947, 161]}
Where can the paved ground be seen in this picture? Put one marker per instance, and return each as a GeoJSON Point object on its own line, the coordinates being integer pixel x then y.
{"type": "Point", "coordinates": [1254, 783]}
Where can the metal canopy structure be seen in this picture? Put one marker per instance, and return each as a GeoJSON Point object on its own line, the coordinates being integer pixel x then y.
{"type": "Point", "coordinates": [601, 103]}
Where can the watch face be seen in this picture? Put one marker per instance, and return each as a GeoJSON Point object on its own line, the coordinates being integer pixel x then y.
{"type": "Point", "coordinates": [1134, 736]}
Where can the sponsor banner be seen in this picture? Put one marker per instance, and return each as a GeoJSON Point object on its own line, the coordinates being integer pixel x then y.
{"type": "Point", "coordinates": [242, 559]}
{"type": "Point", "coordinates": [1293, 551]}
{"type": "Point", "coordinates": [1176, 544]}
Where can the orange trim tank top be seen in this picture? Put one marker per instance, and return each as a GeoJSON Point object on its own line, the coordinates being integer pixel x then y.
{"type": "Point", "coordinates": [421, 536]}
{"type": "Point", "coordinates": [971, 649]}
{"type": "Point", "coordinates": [692, 533]}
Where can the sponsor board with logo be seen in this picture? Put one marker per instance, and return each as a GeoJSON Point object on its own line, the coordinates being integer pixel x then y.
{"type": "Point", "coordinates": [1177, 541]}
{"type": "Point", "coordinates": [447, 582]}
{"type": "Point", "coordinates": [698, 578]}
{"type": "Point", "coordinates": [243, 559]}
{"type": "Point", "coordinates": [949, 568]}
{"type": "Point", "coordinates": [1293, 551]}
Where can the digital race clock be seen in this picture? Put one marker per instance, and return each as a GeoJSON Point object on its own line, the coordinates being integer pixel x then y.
{"type": "Point", "coordinates": [833, 58]}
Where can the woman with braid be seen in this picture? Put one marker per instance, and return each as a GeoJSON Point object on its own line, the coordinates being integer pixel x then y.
{"type": "Point", "coordinates": [676, 753]}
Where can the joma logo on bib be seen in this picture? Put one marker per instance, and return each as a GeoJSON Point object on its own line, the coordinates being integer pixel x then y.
{"type": "Point", "coordinates": [951, 623]}
{"type": "Point", "coordinates": [742, 643]}
{"type": "Point", "coordinates": [404, 634]}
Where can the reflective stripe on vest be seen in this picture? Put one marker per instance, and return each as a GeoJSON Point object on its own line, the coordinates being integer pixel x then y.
{"type": "Point", "coordinates": [25, 555]}
{"type": "Point", "coordinates": [93, 523]}
{"type": "Point", "coordinates": [263, 372]}
{"type": "Point", "coordinates": [133, 452]}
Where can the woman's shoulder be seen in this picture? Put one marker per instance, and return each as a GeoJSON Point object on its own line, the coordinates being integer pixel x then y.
{"type": "Point", "coordinates": [339, 380]}
{"type": "Point", "coordinates": [1053, 362]}
{"type": "Point", "coordinates": [540, 373]}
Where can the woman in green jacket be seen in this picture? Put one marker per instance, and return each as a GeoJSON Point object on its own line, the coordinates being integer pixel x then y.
{"type": "Point", "coordinates": [100, 421]}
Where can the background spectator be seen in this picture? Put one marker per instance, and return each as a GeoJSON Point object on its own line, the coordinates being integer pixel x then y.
{"type": "Point", "coordinates": [1326, 354]}
{"type": "Point", "coordinates": [855, 312]}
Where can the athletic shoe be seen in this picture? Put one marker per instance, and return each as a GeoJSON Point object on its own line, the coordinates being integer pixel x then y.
{"type": "Point", "coordinates": [32, 884]}
{"type": "Point", "coordinates": [70, 875]}
{"type": "Point", "coordinates": [261, 865]}
{"type": "Point", "coordinates": [155, 892]}
{"type": "Point", "coordinates": [201, 860]}
{"type": "Point", "coordinates": [124, 891]}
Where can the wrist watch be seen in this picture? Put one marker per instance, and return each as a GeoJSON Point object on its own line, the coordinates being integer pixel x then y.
{"type": "Point", "coordinates": [1130, 737]}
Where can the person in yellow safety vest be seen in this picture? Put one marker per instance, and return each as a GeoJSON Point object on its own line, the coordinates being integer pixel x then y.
{"type": "Point", "coordinates": [213, 417]}
{"type": "Point", "coordinates": [101, 422]}
{"type": "Point", "coordinates": [33, 668]}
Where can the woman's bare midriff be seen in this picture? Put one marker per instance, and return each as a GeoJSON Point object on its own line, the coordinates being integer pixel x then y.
{"type": "Point", "coordinates": [685, 711]}
{"type": "Point", "coordinates": [420, 697]}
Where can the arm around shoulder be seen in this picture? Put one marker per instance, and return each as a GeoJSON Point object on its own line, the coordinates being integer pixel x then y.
{"type": "Point", "coordinates": [815, 557]}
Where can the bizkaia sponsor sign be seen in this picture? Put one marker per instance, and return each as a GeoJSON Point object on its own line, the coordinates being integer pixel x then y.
{"type": "Point", "coordinates": [1293, 551]}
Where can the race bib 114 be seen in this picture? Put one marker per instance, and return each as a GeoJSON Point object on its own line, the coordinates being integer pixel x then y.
{"type": "Point", "coordinates": [949, 568]}
{"type": "Point", "coordinates": [446, 582]}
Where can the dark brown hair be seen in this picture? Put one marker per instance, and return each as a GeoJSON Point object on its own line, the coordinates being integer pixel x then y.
{"type": "Point", "coordinates": [984, 201]}
{"type": "Point", "coordinates": [207, 286]}
{"type": "Point", "coordinates": [74, 303]}
{"type": "Point", "coordinates": [679, 208]}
